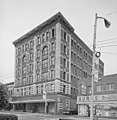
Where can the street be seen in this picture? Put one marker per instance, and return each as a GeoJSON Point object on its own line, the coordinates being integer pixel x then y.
{"type": "Point", "coordinates": [39, 116]}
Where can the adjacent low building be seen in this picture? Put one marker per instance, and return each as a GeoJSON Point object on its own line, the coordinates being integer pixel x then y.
{"type": "Point", "coordinates": [10, 93]}
{"type": "Point", "coordinates": [105, 98]}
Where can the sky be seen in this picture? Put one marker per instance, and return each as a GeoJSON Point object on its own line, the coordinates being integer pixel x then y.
{"type": "Point", "coordinates": [18, 17]}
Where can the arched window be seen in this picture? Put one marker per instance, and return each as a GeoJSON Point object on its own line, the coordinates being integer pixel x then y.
{"type": "Point", "coordinates": [24, 59]}
{"type": "Point", "coordinates": [45, 50]}
{"type": "Point", "coordinates": [45, 57]}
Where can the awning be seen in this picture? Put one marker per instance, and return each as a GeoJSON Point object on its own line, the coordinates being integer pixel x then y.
{"type": "Point", "coordinates": [33, 101]}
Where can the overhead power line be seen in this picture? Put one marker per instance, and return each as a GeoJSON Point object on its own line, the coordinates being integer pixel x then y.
{"type": "Point", "coordinates": [107, 46]}
{"type": "Point", "coordinates": [109, 53]}
{"type": "Point", "coordinates": [106, 43]}
{"type": "Point", "coordinates": [6, 77]}
{"type": "Point", "coordinates": [111, 13]}
{"type": "Point", "coordinates": [111, 39]}
{"type": "Point", "coordinates": [6, 74]}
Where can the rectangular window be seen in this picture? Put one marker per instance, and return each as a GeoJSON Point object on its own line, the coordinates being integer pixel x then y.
{"type": "Point", "coordinates": [77, 48]}
{"type": "Point", "coordinates": [80, 50]}
{"type": "Point", "coordinates": [64, 62]}
{"type": "Point", "coordinates": [52, 60]}
{"type": "Point", "coordinates": [52, 74]}
{"type": "Point", "coordinates": [99, 88]}
{"type": "Point", "coordinates": [31, 56]}
{"type": "Point", "coordinates": [68, 51]}
{"type": "Point", "coordinates": [72, 42]}
{"type": "Point", "coordinates": [64, 87]}
{"type": "Point", "coordinates": [30, 79]}
{"type": "Point", "coordinates": [67, 77]}
{"type": "Point", "coordinates": [64, 75]}
{"type": "Point", "coordinates": [61, 33]}
{"type": "Point", "coordinates": [52, 47]}
{"type": "Point", "coordinates": [26, 46]}
{"type": "Point", "coordinates": [47, 36]}
{"type": "Point", "coordinates": [19, 50]}
{"type": "Point", "coordinates": [83, 87]}
{"type": "Point", "coordinates": [110, 86]}
{"type": "Point", "coordinates": [43, 38]}
{"type": "Point", "coordinates": [37, 77]}
{"type": "Point", "coordinates": [68, 64]}
{"type": "Point", "coordinates": [53, 32]}
{"type": "Point", "coordinates": [61, 74]}
{"type": "Point", "coordinates": [29, 90]}
{"type": "Point", "coordinates": [52, 87]}
{"type": "Point", "coordinates": [31, 44]}
{"type": "Point", "coordinates": [64, 49]}
{"type": "Point", "coordinates": [24, 70]}
{"type": "Point", "coordinates": [65, 35]}
{"type": "Point", "coordinates": [24, 91]}
{"type": "Point", "coordinates": [61, 60]}
{"type": "Point", "coordinates": [42, 88]}
{"type": "Point", "coordinates": [18, 73]}
{"type": "Point", "coordinates": [45, 63]}
{"type": "Point", "coordinates": [30, 67]}
{"type": "Point", "coordinates": [68, 39]}
{"type": "Point", "coordinates": [38, 40]}
{"type": "Point", "coordinates": [38, 53]}
{"type": "Point", "coordinates": [45, 76]}
{"type": "Point", "coordinates": [23, 48]}
{"type": "Point", "coordinates": [38, 66]}
{"type": "Point", "coordinates": [37, 89]}
{"type": "Point", "coordinates": [24, 81]}
{"type": "Point", "coordinates": [19, 61]}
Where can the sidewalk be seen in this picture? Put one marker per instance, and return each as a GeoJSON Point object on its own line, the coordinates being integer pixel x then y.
{"type": "Point", "coordinates": [49, 116]}
{"type": "Point", "coordinates": [65, 117]}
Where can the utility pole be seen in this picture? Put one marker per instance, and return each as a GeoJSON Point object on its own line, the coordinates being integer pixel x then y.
{"type": "Point", "coordinates": [107, 24]}
{"type": "Point", "coordinates": [93, 68]}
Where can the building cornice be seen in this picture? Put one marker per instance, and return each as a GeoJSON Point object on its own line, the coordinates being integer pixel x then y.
{"type": "Point", "coordinates": [56, 18]}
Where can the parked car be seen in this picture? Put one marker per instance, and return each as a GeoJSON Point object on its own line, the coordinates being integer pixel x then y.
{"type": "Point", "coordinates": [70, 112]}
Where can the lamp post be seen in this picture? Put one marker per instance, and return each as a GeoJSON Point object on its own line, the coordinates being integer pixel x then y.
{"type": "Point", "coordinates": [107, 24]}
{"type": "Point", "coordinates": [45, 94]}
{"type": "Point", "coordinates": [45, 97]}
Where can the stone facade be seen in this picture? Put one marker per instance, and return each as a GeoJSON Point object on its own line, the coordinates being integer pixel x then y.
{"type": "Point", "coordinates": [51, 58]}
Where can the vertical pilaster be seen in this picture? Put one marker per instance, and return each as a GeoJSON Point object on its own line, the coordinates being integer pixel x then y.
{"type": "Point", "coordinates": [34, 80]}
{"type": "Point", "coordinates": [15, 65]}
{"type": "Point", "coordinates": [57, 60]}
{"type": "Point", "coordinates": [34, 70]}
{"type": "Point", "coordinates": [57, 86]}
{"type": "Point", "coordinates": [70, 64]}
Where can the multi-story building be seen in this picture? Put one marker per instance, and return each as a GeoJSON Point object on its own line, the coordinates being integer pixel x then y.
{"type": "Point", "coordinates": [51, 59]}
{"type": "Point", "coordinates": [105, 98]}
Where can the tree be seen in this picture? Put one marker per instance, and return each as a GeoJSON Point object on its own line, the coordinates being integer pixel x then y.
{"type": "Point", "coordinates": [3, 97]}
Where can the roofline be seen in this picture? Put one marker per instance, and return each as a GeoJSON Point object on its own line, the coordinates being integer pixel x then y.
{"type": "Point", "coordinates": [56, 17]}
{"type": "Point", "coordinates": [10, 83]}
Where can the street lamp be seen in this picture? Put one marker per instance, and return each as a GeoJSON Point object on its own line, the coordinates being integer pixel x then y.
{"type": "Point", "coordinates": [107, 24]}
{"type": "Point", "coordinates": [45, 96]}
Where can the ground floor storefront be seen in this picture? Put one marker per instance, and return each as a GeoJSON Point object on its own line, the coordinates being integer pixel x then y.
{"type": "Point", "coordinates": [104, 105]}
{"type": "Point", "coordinates": [35, 106]}
{"type": "Point", "coordinates": [55, 103]}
